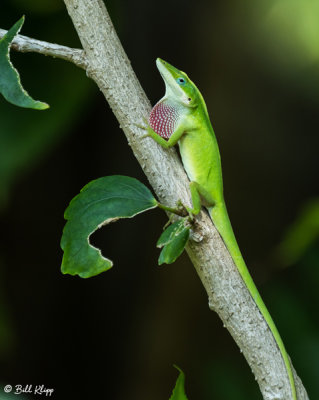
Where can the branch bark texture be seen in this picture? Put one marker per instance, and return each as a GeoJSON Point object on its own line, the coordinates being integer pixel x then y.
{"type": "Point", "coordinates": [109, 67]}
{"type": "Point", "coordinates": [25, 44]}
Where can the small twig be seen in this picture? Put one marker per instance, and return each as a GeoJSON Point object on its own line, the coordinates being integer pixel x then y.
{"type": "Point", "coordinates": [25, 44]}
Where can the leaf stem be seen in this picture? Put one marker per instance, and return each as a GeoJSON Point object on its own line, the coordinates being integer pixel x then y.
{"type": "Point", "coordinates": [178, 211]}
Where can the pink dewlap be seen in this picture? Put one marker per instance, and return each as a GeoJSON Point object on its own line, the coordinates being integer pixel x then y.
{"type": "Point", "coordinates": [163, 119]}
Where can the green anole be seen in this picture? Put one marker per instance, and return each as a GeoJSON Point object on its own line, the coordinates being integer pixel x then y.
{"type": "Point", "coordinates": [181, 117]}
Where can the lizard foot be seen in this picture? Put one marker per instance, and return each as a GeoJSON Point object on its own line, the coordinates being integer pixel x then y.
{"type": "Point", "coordinates": [144, 125]}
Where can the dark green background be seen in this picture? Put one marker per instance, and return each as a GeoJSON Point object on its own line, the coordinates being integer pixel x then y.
{"type": "Point", "coordinates": [116, 336]}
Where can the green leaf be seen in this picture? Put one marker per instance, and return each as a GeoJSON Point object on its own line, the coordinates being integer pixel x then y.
{"type": "Point", "coordinates": [100, 202]}
{"type": "Point", "coordinates": [173, 240]}
{"type": "Point", "coordinates": [179, 390]}
{"type": "Point", "coordinates": [10, 84]}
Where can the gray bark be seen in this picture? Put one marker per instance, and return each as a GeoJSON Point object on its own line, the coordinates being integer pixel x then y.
{"type": "Point", "coordinates": [26, 44]}
{"type": "Point", "coordinates": [107, 64]}
{"type": "Point", "coordinates": [110, 68]}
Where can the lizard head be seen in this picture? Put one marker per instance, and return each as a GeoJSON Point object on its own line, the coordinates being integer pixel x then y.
{"type": "Point", "coordinates": [178, 85]}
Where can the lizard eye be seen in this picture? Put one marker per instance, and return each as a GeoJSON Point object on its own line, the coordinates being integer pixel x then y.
{"type": "Point", "coordinates": [181, 81]}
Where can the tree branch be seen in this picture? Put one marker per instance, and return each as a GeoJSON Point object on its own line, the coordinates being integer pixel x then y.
{"type": "Point", "coordinates": [110, 68]}
{"type": "Point", "coordinates": [107, 64]}
{"type": "Point", "coordinates": [25, 44]}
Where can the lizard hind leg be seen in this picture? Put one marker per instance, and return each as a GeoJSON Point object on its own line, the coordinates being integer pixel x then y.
{"type": "Point", "coordinates": [196, 201]}
{"type": "Point", "coordinates": [200, 196]}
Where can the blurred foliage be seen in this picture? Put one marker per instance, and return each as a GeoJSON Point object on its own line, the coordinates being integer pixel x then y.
{"type": "Point", "coordinates": [301, 235]}
{"type": "Point", "coordinates": [256, 64]}
{"type": "Point", "coordinates": [12, 396]}
{"type": "Point", "coordinates": [221, 380]}
{"type": "Point", "coordinates": [7, 332]}
{"type": "Point", "coordinates": [300, 330]}
{"type": "Point", "coordinates": [26, 136]}
{"type": "Point", "coordinates": [38, 7]}
{"type": "Point", "coordinates": [284, 35]}
{"type": "Point", "coordinates": [292, 25]}
{"type": "Point", "coordinates": [294, 308]}
{"type": "Point", "coordinates": [287, 30]}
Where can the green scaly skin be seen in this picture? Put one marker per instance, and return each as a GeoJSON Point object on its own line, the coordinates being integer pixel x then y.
{"type": "Point", "coordinates": [201, 159]}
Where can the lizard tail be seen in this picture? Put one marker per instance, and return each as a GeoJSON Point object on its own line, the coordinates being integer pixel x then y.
{"type": "Point", "coordinates": [222, 223]}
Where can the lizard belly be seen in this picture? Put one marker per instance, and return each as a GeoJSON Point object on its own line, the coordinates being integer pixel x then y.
{"type": "Point", "coordinates": [200, 160]}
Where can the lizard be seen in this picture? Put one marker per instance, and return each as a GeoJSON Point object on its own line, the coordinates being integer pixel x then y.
{"type": "Point", "coordinates": [181, 117]}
